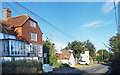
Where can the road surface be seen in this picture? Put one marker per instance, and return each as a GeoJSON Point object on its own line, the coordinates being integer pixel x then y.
{"type": "Point", "coordinates": [101, 68]}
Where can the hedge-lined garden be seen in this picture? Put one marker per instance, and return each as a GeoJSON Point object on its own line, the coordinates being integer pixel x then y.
{"type": "Point", "coordinates": [22, 66]}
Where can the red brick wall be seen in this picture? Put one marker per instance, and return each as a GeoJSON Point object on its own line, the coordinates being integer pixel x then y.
{"type": "Point", "coordinates": [26, 29]}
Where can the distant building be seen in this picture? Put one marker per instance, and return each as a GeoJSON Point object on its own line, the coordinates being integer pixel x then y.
{"type": "Point", "coordinates": [84, 57]}
{"type": "Point", "coordinates": [20, 36]}
{"type": "Point", "coordinates": [65, 56]}
{"type": "Point", "coordinates": [96, 54]}
{"type": "Point", "coordinates": [90, 58]}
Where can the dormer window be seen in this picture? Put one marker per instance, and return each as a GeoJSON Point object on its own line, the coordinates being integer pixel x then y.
{"type": "Point", "coordinates": [32, 24]}
{"type": "Point", "coordinates": [33, 36]}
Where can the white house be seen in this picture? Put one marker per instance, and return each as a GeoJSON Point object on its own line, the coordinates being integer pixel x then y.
{"type": "Point", "coordinates": [84, 58]}
{"type": "Point", "coordinates": [65, 56]}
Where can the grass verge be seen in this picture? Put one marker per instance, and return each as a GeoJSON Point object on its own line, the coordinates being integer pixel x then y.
{"type": "Point", "coordinates": [85, 65]}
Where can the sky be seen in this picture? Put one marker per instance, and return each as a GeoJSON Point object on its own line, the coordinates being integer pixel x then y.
{"type": "Point", "coordinates": [81, 21]}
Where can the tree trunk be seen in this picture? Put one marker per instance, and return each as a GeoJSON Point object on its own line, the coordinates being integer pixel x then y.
{"type": "Point", "coordinates": [76, 61]}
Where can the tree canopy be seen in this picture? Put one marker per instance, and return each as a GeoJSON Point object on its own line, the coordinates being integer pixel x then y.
{"type": "Point", "coordinates": [115, 43]}
{"type": "Point", "coordinates": [115, 48]}
{"type": "Point", "coordinates": [77, 48]}
{"type": "Point", "coordinates": [90, 47]}
{"type": "Point", "coordinates": [105, 54]}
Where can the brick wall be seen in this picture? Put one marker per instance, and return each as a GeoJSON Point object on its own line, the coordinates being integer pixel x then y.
{"type": "Point", "coordinates": [26, 29]}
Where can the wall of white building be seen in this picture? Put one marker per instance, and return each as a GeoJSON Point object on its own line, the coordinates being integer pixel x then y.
{"type": "Point", "coordinates": [63, 61]}
{"type": "Point", "coordinates": [18, 48]}
{"type": "Point", "coordinates": [85, 57]}
{"type": "Point", "coordinates": [72, 60]}
{"type": "Point", "coordinates": [12, 47]}
{"type": "Point", "coordinates": [4, 59]}
{"type": "Point", "coordinates": [6, 36]}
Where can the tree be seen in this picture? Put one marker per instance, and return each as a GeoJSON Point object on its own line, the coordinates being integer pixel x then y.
{"type": "Point", "coordinates": [48, 49]}
{"type": "Point", "coordinates": [115, 48]}
{"type": "Point", "coordinates": [105, 54]}
{"type": "Point", "coordinates": [99, 58]}
{"type": "Point", "coordinates": [115, 44]}
{"type": "Point", "coordinates": [77, 48]}
{"type": "Point", "coordinates": [91, 48]}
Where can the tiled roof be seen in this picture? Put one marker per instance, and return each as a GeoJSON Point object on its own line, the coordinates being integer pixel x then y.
{"type": "Point", "coordinates": [5, 28]}
{"type": "Point", "coordinates": [96, 54]}
{"type": "Point", "coordinates": [18, 20]}
{"type": "Point", "coordinates": [64, 55]}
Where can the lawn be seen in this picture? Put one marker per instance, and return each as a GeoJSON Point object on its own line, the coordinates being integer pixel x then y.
{"type": "Point", "coordinates": [85, 65]}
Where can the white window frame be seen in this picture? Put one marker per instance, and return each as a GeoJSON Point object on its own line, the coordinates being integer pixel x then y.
{"type": "Point", "coordinates": [31, 33]}
{"type": "Point", "coordinates": [32, 24]}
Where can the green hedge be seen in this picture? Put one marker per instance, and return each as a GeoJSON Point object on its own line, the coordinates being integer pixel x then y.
{"type": "Point", "coordinates": [16, 66]}
{"type": "Point", "coordinates": [62, 64]}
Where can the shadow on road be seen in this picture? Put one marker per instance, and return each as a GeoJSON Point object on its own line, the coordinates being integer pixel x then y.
{"type": "Point", "coordinates": [68, 70]}
{"type": "Point", "coordinates": [109, 69]}
{"type": "Point", "coordinates": [106, 64]}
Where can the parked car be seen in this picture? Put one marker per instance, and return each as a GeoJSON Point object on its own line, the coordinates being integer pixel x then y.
{"type": "Point", "coordinates": [83, 63]}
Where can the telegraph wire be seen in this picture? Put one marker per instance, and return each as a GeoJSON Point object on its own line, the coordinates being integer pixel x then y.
{"type": "Point", "coordinates": [59, 30]}
{"type": "Point", "coordinates": [55, 33]}
{"type": "Point", "coordinates": [12, 8]}
{"type": "Point", "coordinates": [19, 13]}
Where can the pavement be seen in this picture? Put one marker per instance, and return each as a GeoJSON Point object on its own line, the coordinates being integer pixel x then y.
{"type": "Point", "coordinates": [101, 68]}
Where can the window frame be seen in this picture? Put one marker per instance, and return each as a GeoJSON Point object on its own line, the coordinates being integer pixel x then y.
{"type": "Point", "coordinates": [31, 37]}
{"type": "Point", "coordinates": [32, 23]}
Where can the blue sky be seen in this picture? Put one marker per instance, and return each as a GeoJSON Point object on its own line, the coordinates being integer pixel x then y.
{"type": "Point", "coordinates": [81, 20]}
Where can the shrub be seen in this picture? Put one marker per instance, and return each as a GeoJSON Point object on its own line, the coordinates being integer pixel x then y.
{"type": "Point", "coordinates": [65, 65]}
{"type": "Point", "coordinates": [62, 64]}
{"type": "Point", "coordinates": [52, 60]}
{"type": "Point", "coordinates": [14, 66]}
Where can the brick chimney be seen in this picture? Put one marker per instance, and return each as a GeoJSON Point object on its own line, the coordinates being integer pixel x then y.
{"type": "Point", "coordinates": [6, 13]}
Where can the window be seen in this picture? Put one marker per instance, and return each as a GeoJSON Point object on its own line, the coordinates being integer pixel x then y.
{"type": "Point", "coordinates": [33, 36]}
{"type": "Point", "coordinates": [4, 47]}
{"type": "Point", "coordinates": [32, 24]}
{"type": "Point", "coordinates": [12, 49]}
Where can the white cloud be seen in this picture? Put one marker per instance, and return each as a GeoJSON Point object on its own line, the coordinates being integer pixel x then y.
{"type": "Point", "coordinates": [92, 24]}
{"type": "Point", "coordinates": [108, 6]}
{"type": "Point", "coordinates": [97, 24]}
{"type": "Point", "coordinates": [59, 46]}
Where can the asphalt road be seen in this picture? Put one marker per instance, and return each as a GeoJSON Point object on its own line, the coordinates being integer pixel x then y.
{"type": "Point", "coordinates": [102, 68]}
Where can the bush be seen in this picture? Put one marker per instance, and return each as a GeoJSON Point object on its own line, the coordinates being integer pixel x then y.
{"type": "Point", "coordinates": [65, 65]}
{"type": "Point", "coordinates": [52, 60]}
{"type": "Point", "coordinates": [62, 64]}
{"type": "Point", "coordinates": [15, 66]}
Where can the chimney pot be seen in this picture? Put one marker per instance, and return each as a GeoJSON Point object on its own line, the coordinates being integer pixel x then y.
{"type": "Point", "coordinates": [6, 13]}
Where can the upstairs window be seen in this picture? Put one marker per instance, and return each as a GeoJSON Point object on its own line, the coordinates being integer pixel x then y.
{"type": "Point", "coordinates": [32, 24]}
{"type": "Point", "coordinates": [33, 36]}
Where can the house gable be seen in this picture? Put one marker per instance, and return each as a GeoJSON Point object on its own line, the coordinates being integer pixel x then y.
{"type": "Point", "coordinates": [27, 29]}
{"type": "Point", "coordinates": [64, 55]}
{"type": "Point", "coordinates": [21, 25]}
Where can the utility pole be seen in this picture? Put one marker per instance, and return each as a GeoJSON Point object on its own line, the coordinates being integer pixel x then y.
{"type": "Point", "coordinates": [51, 44]}
{"type": "Point", "coordinates": [102, 54]}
